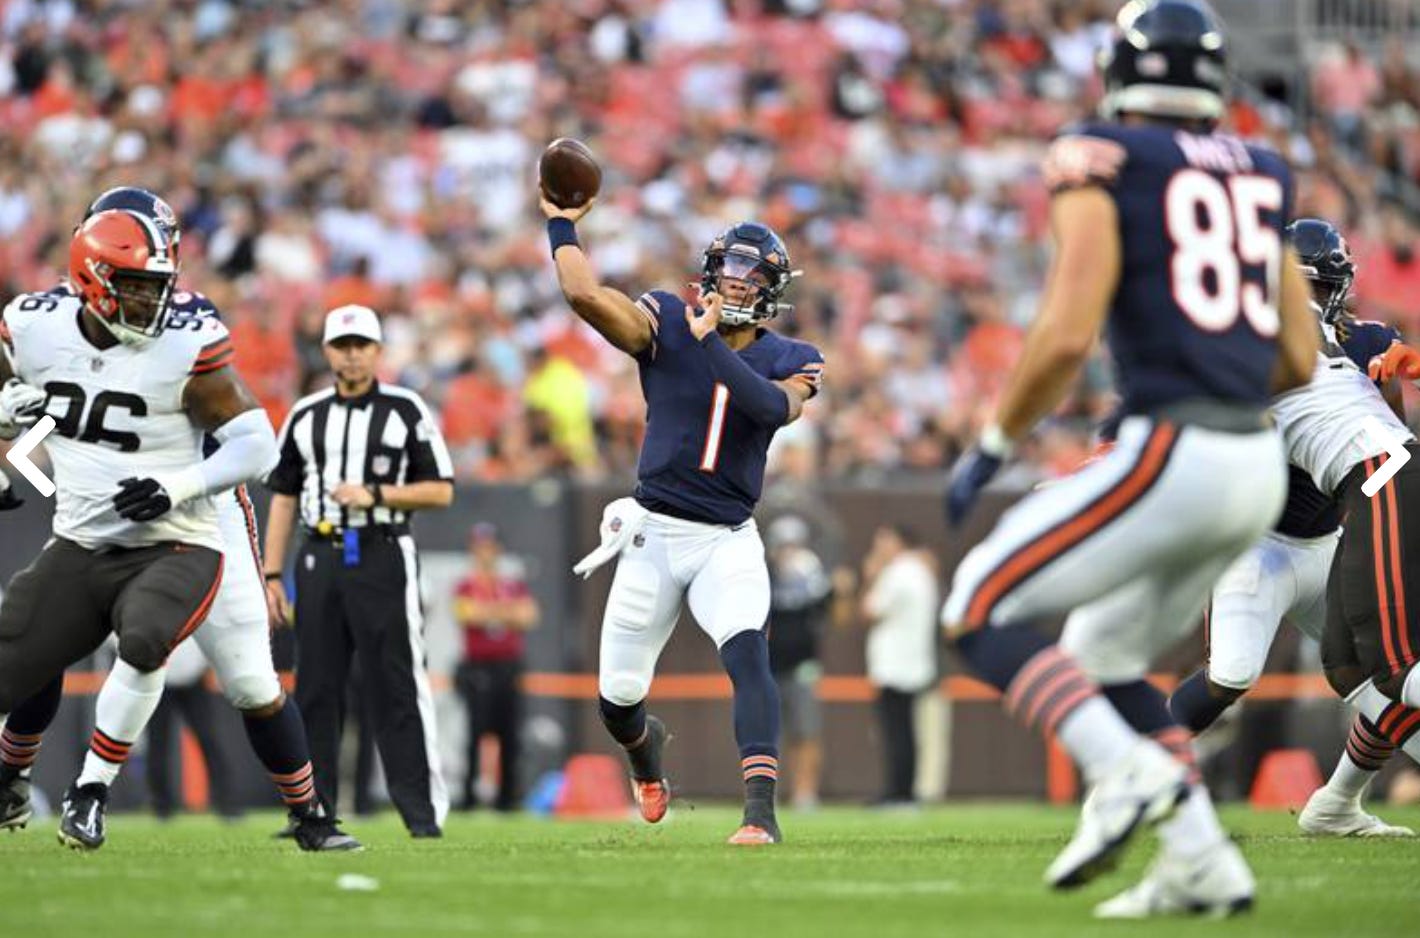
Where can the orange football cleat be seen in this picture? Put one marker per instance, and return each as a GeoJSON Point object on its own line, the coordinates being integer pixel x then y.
{"type": "Point", "coordinates": [752, 836]}
{"type": "Point", "coordinates": [653, 798]}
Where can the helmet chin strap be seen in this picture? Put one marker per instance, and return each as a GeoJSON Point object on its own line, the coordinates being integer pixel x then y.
{"type": "Point", "coordinates": [126, 335]}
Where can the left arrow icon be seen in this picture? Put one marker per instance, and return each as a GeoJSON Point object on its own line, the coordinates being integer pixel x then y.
{"type": "Point", "coordinates": [19, 455]}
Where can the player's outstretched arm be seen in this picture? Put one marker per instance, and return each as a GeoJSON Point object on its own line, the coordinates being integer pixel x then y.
{"type": "Point", "coordinates": [216, 401]}
{"type": "Point", "coordinates": [1298, 338]}
{"type": "Point", "coordinates": [606, 309]}
{"type": "Point", "coordinates": [1078, 292]}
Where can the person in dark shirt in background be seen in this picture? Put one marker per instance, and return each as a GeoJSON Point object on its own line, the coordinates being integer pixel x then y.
{"type": "Point", "coordinates": [802, 599]}
{"type": "Point", "coordinates": [494, 608]}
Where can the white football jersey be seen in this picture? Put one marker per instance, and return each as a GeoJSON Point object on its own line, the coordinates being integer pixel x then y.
{"type": "Point", "coordinates": [1322, 421]}
{"type": "Point", "coordinates": [118, 414]}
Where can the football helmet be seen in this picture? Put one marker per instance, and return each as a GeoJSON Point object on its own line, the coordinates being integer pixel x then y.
{"type": "Point", "coordinates": [756, 260]}
{"type": "Point", "coordinates": [122, 266]}
{"type": "Point", "coordinates": [1325, 261]}
{"type": "Point", "coordinates": [145, 203]}
{"type": "Point", "coordinates": [1166, 59]}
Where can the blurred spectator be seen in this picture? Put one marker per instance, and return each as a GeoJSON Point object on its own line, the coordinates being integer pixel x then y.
{"type": "Point", "coordinates": [381, 153]}
{"type": "Point", "coordinates": [901, 606]}
{"type": "Point", "coordinates": [495, 610]}
{"type": "Point", "coordinates": [802, 599]}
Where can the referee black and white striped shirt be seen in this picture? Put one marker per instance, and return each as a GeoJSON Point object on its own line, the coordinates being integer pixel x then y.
{"type": "Point", "coordinates": [386, 436]}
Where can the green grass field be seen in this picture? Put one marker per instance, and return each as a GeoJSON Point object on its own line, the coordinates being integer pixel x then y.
{"type": "Point", "coordinates": [969, 869]}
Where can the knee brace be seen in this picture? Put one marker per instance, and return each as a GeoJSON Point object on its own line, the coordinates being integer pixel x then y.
{"type": "Point", "coordinates": [252, 691]}
{"type": "Point", "coordinates": [624, 688]}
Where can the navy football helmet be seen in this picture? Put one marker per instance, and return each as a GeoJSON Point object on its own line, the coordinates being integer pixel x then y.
{"type": "Point", "coordinates": [1167, 59]}
{"type": "Point", "coordinates": [142, 202]}
{"type": "Point", "coordinates": [754, 255]}
{"type": "Point", "coordinates": [1325, 261]}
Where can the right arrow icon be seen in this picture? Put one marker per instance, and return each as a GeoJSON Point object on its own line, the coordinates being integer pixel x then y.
{"type": "Point", "coordinates": [1394, 446]}
{"type": "Point", "coordinates": [19, 455]}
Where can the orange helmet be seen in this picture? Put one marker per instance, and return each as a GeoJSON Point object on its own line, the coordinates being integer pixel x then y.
{"type": "Point", "coordinates": [123, 267]}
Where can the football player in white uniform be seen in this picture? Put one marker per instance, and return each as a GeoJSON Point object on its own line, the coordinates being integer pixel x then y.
{"type": "Point", "coordinates": [235, 637]}
{"type": "Point", "coordinates": [1285, 574]}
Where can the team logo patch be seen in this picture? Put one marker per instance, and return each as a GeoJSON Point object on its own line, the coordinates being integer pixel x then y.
{"type": "Point", "coordinates": [615, 525]}
{"type": "Point", "coordinates": [380, 465]}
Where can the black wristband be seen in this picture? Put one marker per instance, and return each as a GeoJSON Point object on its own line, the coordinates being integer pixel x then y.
{"type": "Point", "coordinates": [268, 576]}
{"type": "Point", "coordinates": [560, 233]}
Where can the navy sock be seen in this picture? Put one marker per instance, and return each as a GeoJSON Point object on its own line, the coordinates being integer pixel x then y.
{"type": "Point", "coordinates": [25, 726]}
{"type": "Point", "coordinates": [998, 654]}
{"type": "Point", "coordinates": [627, 725]}
{"type": "Point", "coordinates": [746, 661]}
{"type": "Point", "coordinates": [1142, 706]}
{"type": "Point", "coordinates": [279, 741]}
{"type": "Point", "coordinates": [1193, 703]}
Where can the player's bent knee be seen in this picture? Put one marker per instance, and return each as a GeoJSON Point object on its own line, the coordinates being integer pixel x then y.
{"type": "Point", "coordinates": [253, 691]}
{"type": "Point", "coordinates": [145, 651]}
{"type": "Point", "coordinates": [1345, 679]}
{"type": "Point", "coordinates": [1393, 686]}
{"type": "Point", "coordinates": [624, 688]}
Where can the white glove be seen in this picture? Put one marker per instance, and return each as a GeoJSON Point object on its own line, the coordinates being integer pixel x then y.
{"type": "Point", "coordinates": [621, 521]}
{"type": "Point", "coordinates": [20, 406]}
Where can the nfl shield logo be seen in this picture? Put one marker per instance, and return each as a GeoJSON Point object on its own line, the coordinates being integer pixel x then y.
{"type": "Point", "coordinates": [380, 465]}
{"type": "Point", "coordinates": [615, 525]}
{"type": "Point", "coordinates": [96, 364]}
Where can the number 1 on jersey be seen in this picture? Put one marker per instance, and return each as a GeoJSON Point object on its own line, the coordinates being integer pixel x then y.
{"type": "Point", "coordinates": [715, 431]}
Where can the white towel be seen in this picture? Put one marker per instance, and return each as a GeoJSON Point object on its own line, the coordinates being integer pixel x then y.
{"type": "Point", "coordinates": [621, 521]}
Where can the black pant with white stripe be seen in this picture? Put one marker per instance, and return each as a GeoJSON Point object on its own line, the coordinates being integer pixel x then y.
{"type": "Point", "coordinates": [371, 609]}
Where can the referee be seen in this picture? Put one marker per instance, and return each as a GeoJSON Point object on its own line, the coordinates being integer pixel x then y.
{"type": "Point", "coordinates": [356, 460]}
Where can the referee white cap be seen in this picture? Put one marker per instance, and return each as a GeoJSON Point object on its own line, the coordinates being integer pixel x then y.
{"type": "Point", "coordinates": [352, 320]}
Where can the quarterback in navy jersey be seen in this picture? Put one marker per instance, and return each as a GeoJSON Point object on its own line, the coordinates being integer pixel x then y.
{"type": "Point", "coordinates": [1168, 241]}
{"type": "Point", "coordinates": [718, 384]}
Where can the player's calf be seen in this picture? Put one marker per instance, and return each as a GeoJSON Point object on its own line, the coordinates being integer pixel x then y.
{"type": "Point", "coordinates": [643, 737]}
{"type": "Point", "coordinates": [746, 659]}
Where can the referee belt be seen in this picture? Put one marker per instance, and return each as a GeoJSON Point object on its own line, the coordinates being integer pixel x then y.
{"type": "Point", "coordinates": [336, 536]}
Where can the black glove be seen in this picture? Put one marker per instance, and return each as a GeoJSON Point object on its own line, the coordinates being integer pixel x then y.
{"type": "Point", "coordinates": [8, 499]}
{"type": "Point", "coordinates": [973, 471]}
{"type": "Point", "coordinates": [141, 499]}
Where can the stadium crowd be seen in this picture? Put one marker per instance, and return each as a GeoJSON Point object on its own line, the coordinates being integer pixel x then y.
{"type": "Point", "coordinates": [383, 152]}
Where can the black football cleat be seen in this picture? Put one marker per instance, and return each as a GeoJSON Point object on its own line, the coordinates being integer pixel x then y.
{"type": "Point", "coordinates": [15, 807]}
{"type": "Point", "coordinates": [314, 831]}
{"type": "Point", "coordinates": [81, 819]}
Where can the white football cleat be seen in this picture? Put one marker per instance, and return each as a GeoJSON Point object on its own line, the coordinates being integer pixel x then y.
{"type": "Point", "coordinates": [1142, 788]}
{"type": "Point", "coordinates": [1216, 883]}
{"type": "Point", "coordinates": [1329, 814]}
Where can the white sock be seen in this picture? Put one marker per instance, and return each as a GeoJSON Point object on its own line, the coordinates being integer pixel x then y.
{"type": "Point", "coordinates": [1410, 692]}
{"type": "Point", "coordinates": [1349, 780]}
{"type": "Point", "coordinates": [1096, 737]}
{"type": "Point", "coordinates": [1372, 704]}
{"type": "Point", "coordinates": [1194, 827]}
{"type": "Point", "coordinates": [125, 705]}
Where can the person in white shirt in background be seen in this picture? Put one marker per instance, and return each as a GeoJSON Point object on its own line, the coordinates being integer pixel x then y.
{"type": "Point", "coordinates": [900, 602]}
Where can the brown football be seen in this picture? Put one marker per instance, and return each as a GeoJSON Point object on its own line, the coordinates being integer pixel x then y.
{"type": "Point", "coordinates": [569, 173]}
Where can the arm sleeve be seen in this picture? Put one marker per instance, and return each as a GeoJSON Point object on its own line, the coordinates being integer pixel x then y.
{"type": "Point", "coordinates": [429, 459]}
{"type": "Point", "coordinates": [753, 395]}
{"type": "Point", "coordinates": [290, 469]}
{"type": "Point", "coordinates": [248, 451]}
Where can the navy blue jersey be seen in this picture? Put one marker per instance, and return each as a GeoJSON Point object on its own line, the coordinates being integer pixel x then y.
{"type": "Point", "coordinates": [1309, 513]}
{"type": "Point", "coordinates": [702, 459]}
{"type": "Point", "coordinates": [1200, 225]}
